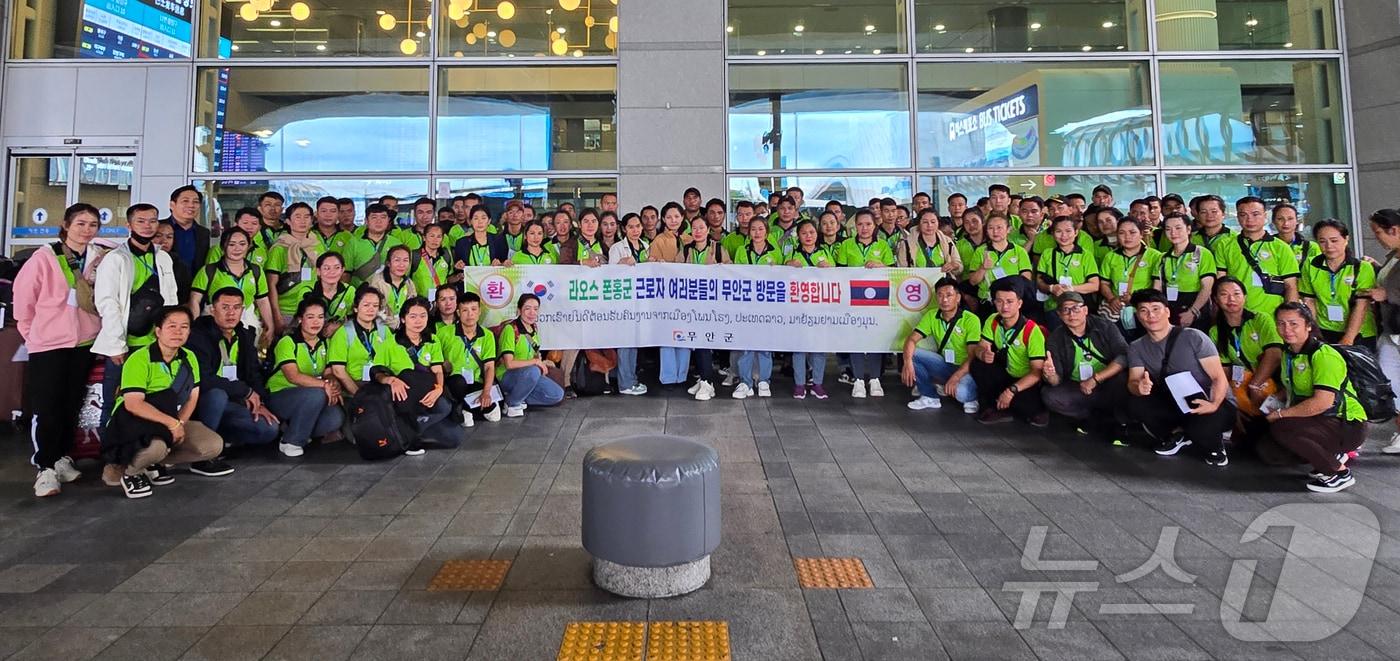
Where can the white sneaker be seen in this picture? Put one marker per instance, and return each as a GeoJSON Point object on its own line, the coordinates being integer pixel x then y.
{"type": "Point", "coordinates": [65, 470]}
{"type": "Point", "coordinates": [638, 389]}
{"type": "Point", "coordinates": [764, 390]}
{"type": "Point", "coordinates": [704, 392]}
{"type": "Point", "coordinates": [971, 408]}
{"type": "Point", "coordinates": [695, 388]}
{"type": "Point", "coordinates": [515, 411]}
{"type": "Point", "coordinates": [1394, 446]}
{"type": "Point", "coordinates": [415, 452]}
{"type": "Point", "coordinates": [876, 390]}
{"type": "Point", "coordinates": [742, 391]}
{"type": "Point", "coordinates": [494, 415]}
{"type": "Point", "coordinates": [46, 483]}
{"type": "Point", "coordinates": [290, 450]}
{"type": "Point", "coordinates": [467, 419]}
{"type": "Point", "coordinates": [923, 403]}
{"type": "Point", "coordinates": [729, 380]}
{"type": "Point", "coordinates": [858, 389]}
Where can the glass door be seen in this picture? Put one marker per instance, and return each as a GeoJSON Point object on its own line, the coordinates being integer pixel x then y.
{"type": "Point", "coordinates": [42, 184]}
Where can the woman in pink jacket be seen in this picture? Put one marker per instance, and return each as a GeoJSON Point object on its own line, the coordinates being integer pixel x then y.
{"type": "Point", "coordinates": [53, 307]}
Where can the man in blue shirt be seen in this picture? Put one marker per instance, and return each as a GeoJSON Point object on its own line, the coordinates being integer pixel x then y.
{"type": "Point", "coordinates": [191, 245]}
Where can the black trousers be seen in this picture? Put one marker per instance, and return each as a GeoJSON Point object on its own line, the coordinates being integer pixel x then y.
{"type": "Point", "coordinates": [55, 384]}
{"type": "Point", "coordinates": [458, 387]}
{"type": "Point", "coordinates": [992, 379]}
{"type": "Point", "coordinates": [1159, 413]}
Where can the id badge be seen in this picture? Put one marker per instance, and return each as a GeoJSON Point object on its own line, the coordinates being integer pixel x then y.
{"type": "Point", "coordinates": [1172, 293]}
{"type": "Point", "coordinates": [1066, 281]}
{"type": "Point", "coordinates": [1254, 280]}
{"type": "Point", "coordinates": [1335, 313]}
{"type": "Point", "coordinates": [467, 374]}
{"type": "Point", "coordinates": [229, 372]}
{"type": "Point", "coordinates": [998, 273]}
{"type": "Point", "coordinates": [1123, 289]}
{"type": "Point", "coordinates": [73, 298]}
{"type": "Point", "coordinates": [1041, 296]}
{"type": "Point", "coordinates": [364, 373]}
{"type": "Point", "coordinates": [948, 356]}
{"type": "Point", "coordinates": [306, 273]}
{"type": "Point", "coordinates": [1237, 373]}
{"type": "Point", "coordinates": [1086, 371]}
{"type": "Point", "coordinates": [432, 295]}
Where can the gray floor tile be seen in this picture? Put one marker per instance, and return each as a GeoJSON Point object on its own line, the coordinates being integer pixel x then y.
{"type": "Point", "coordinates": [410, 641]}
{"type": "Point", "coordinates": [328, 643]}
{"type": "Point", "coordinates": [881, 605]}
{"type": "Point", "coordinates": [153, 644]}
{"type": "Point", "coordinates": [194, 609]}
{"type": "Point", "coordinates": [235, 643]}
{"type": "Point", "coordinates": [958, 605]}
{"type": "Point", "coordinates": [348, 607]}
{"type": "Point", "coordinates": [68, 643]}
{"type": "Point", "coordinates": [981, 640]}
{"type": "Point", "coordinates": [897, 640]}
{"type": "Point", "coordinates": [270, 608]}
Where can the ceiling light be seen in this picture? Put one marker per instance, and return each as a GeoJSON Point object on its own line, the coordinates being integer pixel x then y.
{"type": "Point", "coordinates": [275, 23]}
{"type": "Point", "coordinates": [300, 11]}
{"type": "Point", "coordinates": [1086, 48]}
{"type": "Point", "coordinates": [820, 51]}
{"type": "Point", "coordinates": [969, 50]}
{"type": "Point", "coordinates": [869, 28]}
{"type": "Point", "coordinates": [569, 5]}
{"type": "Point", "coordinates": [491, 34]}
{"type": "Point", "coordinates": [408, 47]}
{"type": "Point", "coordinates": [248, 12]}
{"type": "Point", "coordinates": [387, 21]}
{"type": "Point", "coordinates": [588, 21]}
{"type": "Point", "coordinates": [261, 5]}
{"type": "Point", "coordinates": [1108, 24]}
{"type": "Point", "coordinates": [506, 39]}
{"type": "Point", "coordinates": [560, 30]}
{"type": "Point", "coordinates": [1288, 45]}
{"type": "Point", "coordinates": [782, 51]}
{"type": "Point", "coordinates": [419, 34]}
{"type": "Point", "coordinates": [940, 27]}
{"type": "Point", "coordinates": [876, 51]}
{"type": "Point", "coordinates": [578, 53]}
{"type": "Point", "coordinates": [320, 47]}
{"type": "Point", "coordinates": [848, 52]}
{"type": "Point", "coordinates": [798, 28]}
{"type": "Point", "coordinates": [559, 46]}
{"type": "Point", "coordinates": [612, 25]}
{"type": "Point", "coordinates": [1252, 22]}
{"type": "Point", "coordinates": [235, 47]}
{"type": "Point", "coordinates": [1120, 47]}
{"type": "Point", "coordinates": [729, 28]}
{"type": "Point", "coordinates": [763, 52]}
{"type": "Point", "coordinates": [506, 10]}
{"type": "Point", "coordinates": [1035, 26]}
{"type": "Point", "coordinates": [380, 12]}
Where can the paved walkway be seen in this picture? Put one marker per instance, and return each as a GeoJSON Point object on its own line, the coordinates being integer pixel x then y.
{"type": "Point", "coordinates": [329, 557]}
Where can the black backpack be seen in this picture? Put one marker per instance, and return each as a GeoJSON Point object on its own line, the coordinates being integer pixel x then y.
{"type": "Point", "coordinates": [1372, 388]}
{"type": "Point", "coordinates": [373, 424]}
{"type": "Point", "coordinates": [586, 381]}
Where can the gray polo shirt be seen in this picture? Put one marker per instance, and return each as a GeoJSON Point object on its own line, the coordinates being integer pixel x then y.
{"type": "Point", "coordinates": [1191, 347]}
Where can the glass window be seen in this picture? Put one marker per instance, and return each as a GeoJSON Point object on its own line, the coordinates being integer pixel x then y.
{"type": "Point", "coordinates": [528, 28]}
{"type": "Point", "coordinates": [222, 199]}
{"type": "Point", "coordinates": [822, 116]}
{"type": "Point", "coordinates": [530, 118]}
{"type": "Point", "coordinates": [1009, 114]}
{"type": "Point", "coordinates": [818, 189]}
{"type": "Point", "coordinates": [1317, 195]}
{"type": "Point", "coordinates": [271, 119]}
{"type": "Point", "coordinates": [996, 26]}
{"type": "Point", "coordinates": [313, 28]}
{"type": "Point", "coordinates": [1126, 187]}
{"type": "Point", "coordinates": [1245, 24]}
{"type": "Point", "coordinates": [1242, 112]}
{"type": "Point", "coordinates": [792, 27]}
{"type": "Point", "coordinates": [100, 29]}
{"type": "Point", "coordinates": [542, 194]}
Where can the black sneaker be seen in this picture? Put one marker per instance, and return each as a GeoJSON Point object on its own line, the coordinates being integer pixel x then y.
{"type": "Point", "coordinates": [159, 475]}
{"type": "Point", "coordinates": [136, 486]}
{"type": "Point", "coordinates": [1218, 458]}
{"type": "Point", "coordinates": [1040, 420]}
{"type": "Point", "coordinates": [846, 377]}
{"type": "Point", "coordinates": [1173, 446]}
{"type": "Point", "coordinates": [1332, 483]}
{"type": "Point", "coordinates": [211, 468]}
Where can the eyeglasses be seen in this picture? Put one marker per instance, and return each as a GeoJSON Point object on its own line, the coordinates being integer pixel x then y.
{"type": "Point", "coordinates": [1072, 309]}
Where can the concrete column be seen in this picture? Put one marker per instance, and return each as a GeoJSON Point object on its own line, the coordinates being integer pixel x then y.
{"type": "Point", "coordinates": [1373, 48]}
{"type": "Point", "coordinates": [671, 100]}
{"type": "Point", "coordinates": [1187, 25]}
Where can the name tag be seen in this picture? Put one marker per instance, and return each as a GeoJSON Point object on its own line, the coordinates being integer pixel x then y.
{"type": "Point", "coordinates": [1237, 373]}
{"type": "Point", "coordinates": [73, 298]}
{"type": "Point", "coordinates": [467, 374]}
{"type": "Point", "coordinates": [306, 273]}
{"type": "Point", "coordinates": [432, 295]}
{"type": "Point", "coordinates": [998, 273]}
{"type": "Point", "coordinates": [229, 372]}
{"type": "Point", "coordinates": [1172, 293]}
{"type": "Point", "coordinates": [1066, 281]}
{"type": "Point", "coordinates": [364, 373]}
{"type": "Point", "coordinates": [949, 356]}
{"type": "Point", "coordinates": [1254, 280]}
{"type": "Point", "coordinates": [1335, 313]}
{"type": "Point", "coordinates": [1123, 289]}
{"type": "Point", "coordinates": [1086, 371]}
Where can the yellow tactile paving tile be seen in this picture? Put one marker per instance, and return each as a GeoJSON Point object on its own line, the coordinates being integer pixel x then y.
{"type": "Point", "coordinates": [688, 641]}
{"type": "Point", "coordinates": [603, 641]}
{"type": "Point", "coordinates": [842, 573]}
{"type": "Point", "coordinates": [458, 575]}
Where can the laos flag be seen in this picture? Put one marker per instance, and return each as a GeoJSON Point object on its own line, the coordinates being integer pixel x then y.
{"type": "Point", "coordinates": [870, 292]}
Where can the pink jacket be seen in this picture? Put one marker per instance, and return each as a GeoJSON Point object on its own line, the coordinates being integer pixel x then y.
{"type": "Point", "coordinates": [46, 320]}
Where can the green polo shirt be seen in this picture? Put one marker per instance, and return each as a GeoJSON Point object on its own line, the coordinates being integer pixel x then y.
{"type": "Point", "coordinates": [773, 256]}
{"type": "Point", "coordinates": [338, 307]}
{"type": "Point", "coordinates": [362, 251]}
{"type": "Point", "coordinates": [143, 269]}
{"type": "Point", "coordinates": [1126, 275]}
{"type": "Point", "coordinates": [966, 249]}
{"type": "Point", "coordinates": [1085, 353]}
{"type": "Point", "coordinates": [410, 237]}
{"type": "Point", "coordinates": [478, 254]}
{"type": "Point", "coordinates": [1322, 369]}
{"type": "Point", "coordinates": [396, 296]}
{"type": "Point", "coordinates": [1241, 347]}
{"type": "Point", "coordinates": [1067, 268]}
{"type": "Point", "coordinates": [1274, 257]}
{"type": "Point", "coordinates": [732, 243]}
{"type": "Point", "coordinates": [1335, 293]}
{"type": "Point", "coordinates": [950, 339]}
{"type": "Point", "coordinates": [1012, 261]}
{"type": "Point", "coordinates": [452, 236]}
{"type": "Point", "coordinates": [354, 348]}
{"type": "Point", "coordinates": [145, 372]}
{"type": "Point", "coordinates": [523, 346]}
{"type": "Point", "coordinates": [341, 242]}
{"type": "Point", "coordinates": [397, 354]}
{"type": "Point", "coordinates": [1022, 345]}
{"type": "Point", "coordinates": [304, 273]}
{"type": "Point", "coordinates": [1303, 249]}
{"type": "Point", "coordinates": [925, 256]}
{"type": "Point", "coordinates": [1184, 272]}
{"type": "Point", "coordinates": [818, 257]}
{"type": "Point", "coordinates": [325, 244]}
{"type": "Point", "coordinates": [213, 277]}
{"type": "Point", "coordinates": [460, 360]}
{"type": "Point", "coordinates": [852, 253]}
{"type": "Point", "coordinates": [256, 255]}
{"type": "Point", "coordinates": [293, 349]}
{"type": "Point", "coordinates": [1214, 243]}
{"type": "Point", "coordinates": [522, 257]}
{"type": "Point", "coordinates": [428, 273]}
{"type": "Point", "coordinates": [1045, 242]}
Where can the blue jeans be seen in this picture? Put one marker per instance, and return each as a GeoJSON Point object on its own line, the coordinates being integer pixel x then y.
{"type": "Point", "coordinates": [305, 414]}
{"type": "Point", "coordinates": [111, 382]}
{"type": "Point", "coordinates": [528, 385]}
{"type": "Point", "coordinates": [675, 364]}
{"type": "Point", "coordinates": [626, 368]}
{"type": "Point", "coordinates": [930, 369]}
{"type": "Point", "coordinates": [800, 363]}
{"type": "Point", "coordinates": [746, 362]}
{"type": "Point", "coordinates": [865, 366]}
{"type": "Point", "coordinates": [232, 420]}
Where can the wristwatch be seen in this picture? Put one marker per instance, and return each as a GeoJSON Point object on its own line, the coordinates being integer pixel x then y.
{"type": "Point", "coordinates": [1015, 389]}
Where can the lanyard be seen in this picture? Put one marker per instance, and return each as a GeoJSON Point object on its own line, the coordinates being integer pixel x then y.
{"type": "Point", "coordinates": [1332, 281]}
{"type": "Point", "coordinates": [315, 357]}
{"type": "Point", "coordinates": [1008, 335]}
{"type": "Point", "coordinates": [639, 255]}
{"type": "Point", "coordinates": [432, 268]}
{"type": "Point", "coordinates": [755, 256]}
{"type": "Point", "coordinates": [807, 256]}
{"type": "Point", "coordinates": [1057, 265]}
{"type": "Point", "coordinates": [533, 258]}
{"type": "Point", "coordinates": [927, 251]}
{"type": "Point", "coordinates": [1288, 375]}
{"type": "Point", "coordinates": [1237, 343]}
{"type": "Point", "coordinates": [1083, 344]}
{"type": "Point", "coordinates": [697, 256]}
{"type": "Point", "coordinates": [150, 268]}
{"type": "Point", "coordinates": [947, 331]}
{"type": "Point", "coordinates": [481, 255]}
{"type": "Point", "coordinates": [1130, 265]}
{"type": "Point", "coordinates": [514, 240]}
{"type": "Point", "coordinates": [530, 342]}
{"type": "Point", "coordinates": [67, 267]}
{"type": "Point", "coordinates": [586, 250]}
{"type": "Point", "coordinates": [228, 351]}
{"type": "Point", "coordinates": [1176, 264]}
{"type": "Point", "coordinates": [865, 251]}
{"type": "Point", "coordinates": [366, 338]}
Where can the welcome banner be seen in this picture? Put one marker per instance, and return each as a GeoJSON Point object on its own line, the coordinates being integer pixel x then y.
{"type": "Point", "coordinates": [762, 308]}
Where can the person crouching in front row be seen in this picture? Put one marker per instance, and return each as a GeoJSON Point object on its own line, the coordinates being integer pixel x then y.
{"type": "Point", "coordinates": [1010, 356]}
{"type": "Point", "coordinates": [151, 427]}
{"type": "Point", "coordinates": [1084, 380]}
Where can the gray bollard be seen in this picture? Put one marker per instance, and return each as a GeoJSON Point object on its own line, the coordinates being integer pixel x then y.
{"type": "Point", "coordinates": [651, 507]}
